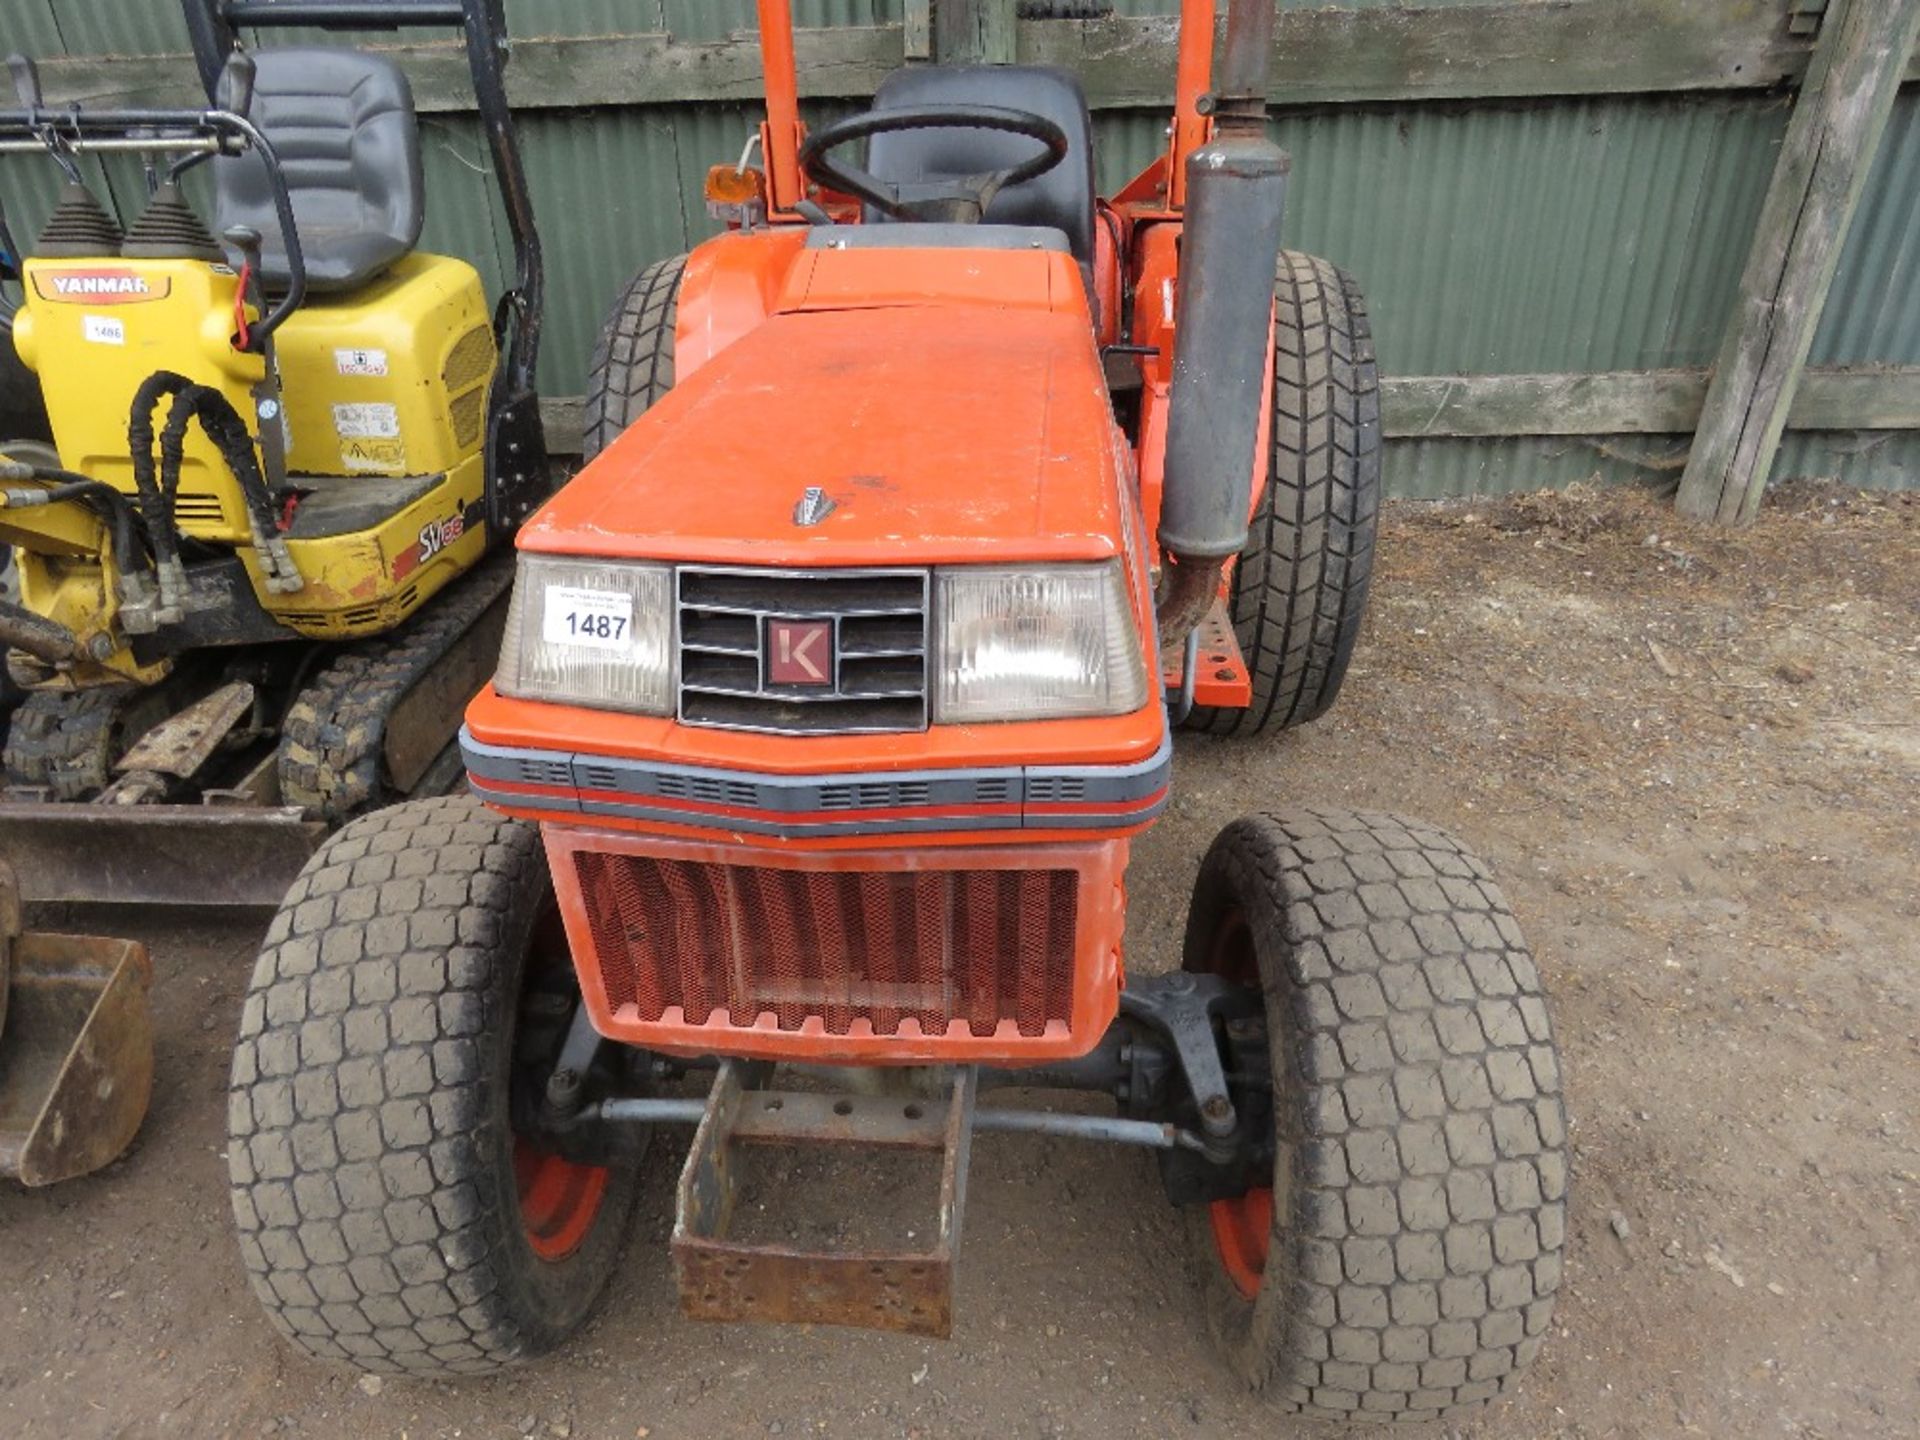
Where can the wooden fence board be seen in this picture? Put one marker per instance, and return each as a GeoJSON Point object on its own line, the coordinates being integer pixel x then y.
{"type": "Point", "coordinates": [1632, 402]}
{"type": "Point", "coordinates": [1622, 402]}
{"type": "Point", "coordinates": [1511, 49]}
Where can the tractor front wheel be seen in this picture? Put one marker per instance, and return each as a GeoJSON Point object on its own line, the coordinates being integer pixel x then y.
{"type": "Point", "coordinates": [391, 1215]}
{"type": "Point", "coordinates": [1403, 1263]}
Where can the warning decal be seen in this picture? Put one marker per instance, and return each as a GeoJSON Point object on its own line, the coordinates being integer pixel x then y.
{"type": "Point", "coordinates": [366, 422]}
{"type": "Point", "coordinates": [383, 456]}
{"type": "Point", "coordinates": [360, 362]}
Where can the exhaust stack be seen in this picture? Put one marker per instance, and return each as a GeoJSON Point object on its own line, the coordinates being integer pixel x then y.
{"type": "Point", "coordinates": [1236, 195]}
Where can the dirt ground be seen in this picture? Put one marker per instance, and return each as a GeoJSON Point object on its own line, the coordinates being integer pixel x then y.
{"type": "Point", "coordinates": [1694, 760]}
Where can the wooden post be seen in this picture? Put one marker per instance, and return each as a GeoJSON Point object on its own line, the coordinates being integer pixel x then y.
{"type": "Point", "coordinates": [973, 32]}
{"type": "Point", "coordinates": [916, 30]}
{"type": "Point", "coordinates": [1837, 123]}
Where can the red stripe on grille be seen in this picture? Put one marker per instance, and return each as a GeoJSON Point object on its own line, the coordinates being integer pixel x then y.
{"type": "Point", "coordinates": [975, 947]}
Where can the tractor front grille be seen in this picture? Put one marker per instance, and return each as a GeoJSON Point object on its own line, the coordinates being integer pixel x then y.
{"type": "Point", "coordinates": [957, 952]}
{"type": "Point", "coordinates": [877, 681]}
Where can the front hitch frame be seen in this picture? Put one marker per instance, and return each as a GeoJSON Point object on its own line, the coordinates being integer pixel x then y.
{"type": "Point", "coordinates": [1182, 1048]}
{"type": "Point", "coordinates": [1185, 1062]}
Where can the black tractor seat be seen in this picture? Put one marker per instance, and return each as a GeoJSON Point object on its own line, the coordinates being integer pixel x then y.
{"type": "Point", "coordinates": [343, 125]}
{"type": "Point", "coordinates": [1062, 198]}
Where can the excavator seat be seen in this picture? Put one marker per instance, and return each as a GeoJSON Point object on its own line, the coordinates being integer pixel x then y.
{"type": "Point", "coordinates": [343, 126]}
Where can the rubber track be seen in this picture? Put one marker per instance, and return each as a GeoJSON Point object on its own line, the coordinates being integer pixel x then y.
{"type": "Point", "coordinates": [1300, 587]}
{"type": "Point", "coordinates": [633, 364]}
{"type": "Point", "coordinates": [332, 742]}
{"type": "Point", "coordinates": [62, 740]}
{"type": "Point", "coordinates": [1429, 1212]}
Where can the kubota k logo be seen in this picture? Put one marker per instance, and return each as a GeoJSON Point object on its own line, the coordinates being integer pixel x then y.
{"type": "Point", "coordinates": [99, 287]}
{"type": "Point", "coordinates": [799, 652]}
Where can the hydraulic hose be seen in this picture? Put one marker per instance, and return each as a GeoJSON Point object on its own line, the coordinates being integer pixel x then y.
{"type": "Point", "coordinates": [46, 640]}
{"type": "Point", "coordinates": [51, 474]}
{"type": "Point", "coordinates": [224, 427]}
{"type": "Point", "coordinates": [65, 485]}
{"type": "Point", "coordinates": [162, 533]}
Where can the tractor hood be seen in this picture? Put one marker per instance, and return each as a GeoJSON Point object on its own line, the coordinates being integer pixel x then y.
{"type": "Point", "coordinates": [938, 432]}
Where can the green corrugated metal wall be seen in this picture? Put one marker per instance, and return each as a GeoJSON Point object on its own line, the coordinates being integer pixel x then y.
{"type": "Point", "coordinates": [1592, 234]}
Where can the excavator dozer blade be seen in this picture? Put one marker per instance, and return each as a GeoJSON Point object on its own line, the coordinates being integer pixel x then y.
{"type": "Point", "coordinates": [239, 855]}
{"type": "Point", "coordinates": [76, 1048]}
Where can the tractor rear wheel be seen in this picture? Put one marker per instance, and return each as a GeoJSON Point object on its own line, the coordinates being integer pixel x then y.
{"type": "Point", "coordinates": [1299, 587]}
{"type": "Point", "coordinates": [391, 1215]}
{"type": "Point", "coordinates": [632, 364]}
{"type": "Point", "coordinates": [1404, 1262]}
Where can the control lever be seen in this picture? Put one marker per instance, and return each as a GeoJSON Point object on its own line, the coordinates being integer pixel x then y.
{"type": "Point", "coordinates": [246, 240]}
{"type": "Point", "coordinates": [26, 86]}
{"type": "Point", "coordinates": [26, 81]}
{"type": "Point", "coordinates": [234, 91]}
{"type": "Point", "coordinates": [283, 576]}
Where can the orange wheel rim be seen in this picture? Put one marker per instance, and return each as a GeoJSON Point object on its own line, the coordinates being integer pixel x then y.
{"type": "Point", "coordinates": [1243, 1226]}
{"type": "Point", "coordinates": [559, 1200]}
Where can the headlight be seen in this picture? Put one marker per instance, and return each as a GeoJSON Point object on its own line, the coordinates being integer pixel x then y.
{"type": "Point", "coordinates": [1035, 644]}
{"type": "Point", "coordinates": [590, 632]}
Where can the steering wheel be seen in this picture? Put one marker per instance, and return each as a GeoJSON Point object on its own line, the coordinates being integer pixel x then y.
{"type": "Point", "coordinates": [960, 201]}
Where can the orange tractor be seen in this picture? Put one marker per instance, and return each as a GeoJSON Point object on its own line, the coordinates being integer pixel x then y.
{"type": "Point", "coordinates": [927, 502]}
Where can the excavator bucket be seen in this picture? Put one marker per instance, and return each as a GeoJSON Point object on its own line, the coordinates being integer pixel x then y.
{"type": "Point", "coordinates": [76, 1048]}
{"type": "Point", "coordinates": [242, 856]}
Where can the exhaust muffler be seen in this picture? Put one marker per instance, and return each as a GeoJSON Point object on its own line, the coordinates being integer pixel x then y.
{"type": "Point", "coordinates": [1236, 199]}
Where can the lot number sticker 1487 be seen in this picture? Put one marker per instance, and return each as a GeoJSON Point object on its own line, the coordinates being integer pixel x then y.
{"type": "Point", "coordinates": [600, 618]}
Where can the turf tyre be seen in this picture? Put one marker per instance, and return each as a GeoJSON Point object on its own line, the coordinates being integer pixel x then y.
{"type": "Point", "coordinates": [369, 1146]}
{"type": "Point", "coordinates": [1418, 1211]}
{"type": "Point", "coordinates": [1299, 587]}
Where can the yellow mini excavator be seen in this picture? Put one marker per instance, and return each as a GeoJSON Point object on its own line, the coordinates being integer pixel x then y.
{"type": "Point", "coordinates": [261, 569]}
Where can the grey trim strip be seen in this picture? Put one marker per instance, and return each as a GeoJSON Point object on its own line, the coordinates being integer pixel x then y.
{"type": "Point", "coordinates": [570, 804]}
{"type": "Point", "coordinates": [1053, 784]}
{"type": "Point", "coordinates": [935, 235]}
{"type": "Point", "coordinates": [810, 804]}
{"type": "Point", "coordinates": [524, 767]}
{"type": "Point", "coordinates": [797, 829]}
